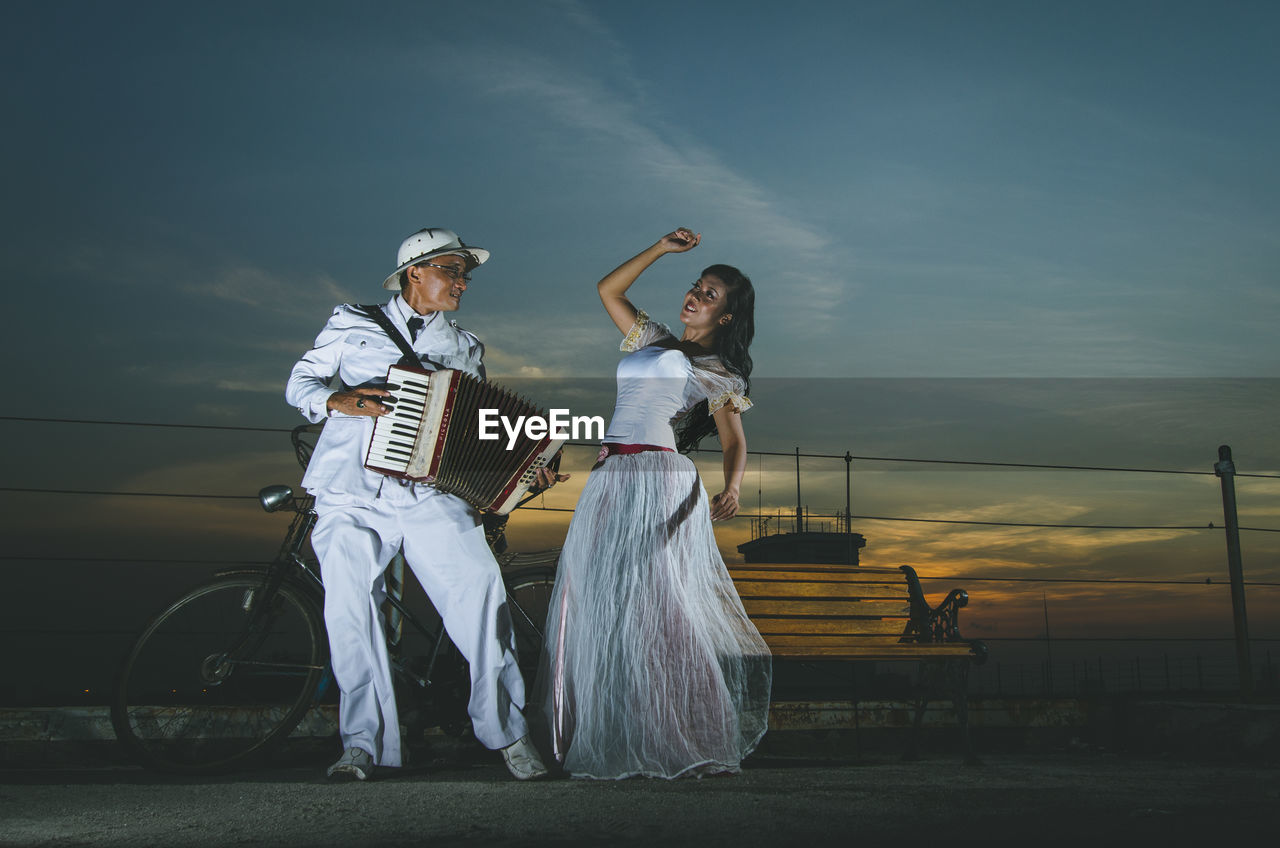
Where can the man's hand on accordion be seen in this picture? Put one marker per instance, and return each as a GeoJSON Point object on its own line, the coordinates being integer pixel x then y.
{"type": "Point", "coordinates": [549, 475]}
{"type": "Point", "coordinates": [364, 401]}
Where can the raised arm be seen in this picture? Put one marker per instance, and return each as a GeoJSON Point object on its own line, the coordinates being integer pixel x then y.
{"type": "Point", "coordinates": [734, 444]}
{"type": "Point", "coordinates": [613, 288]}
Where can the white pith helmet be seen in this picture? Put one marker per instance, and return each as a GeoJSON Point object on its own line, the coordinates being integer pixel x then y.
{"type": "Point", "coordinates": [429, 242]}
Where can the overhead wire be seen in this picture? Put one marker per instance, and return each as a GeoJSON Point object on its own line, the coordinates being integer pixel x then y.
{"type": "Point", "coordinates": [850, 457]}
{"type": "Point", "coordinates": [940, 577]}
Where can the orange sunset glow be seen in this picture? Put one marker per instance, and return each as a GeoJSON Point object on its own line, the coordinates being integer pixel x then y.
{"type": "Point", "coordinates": [1143, 565]}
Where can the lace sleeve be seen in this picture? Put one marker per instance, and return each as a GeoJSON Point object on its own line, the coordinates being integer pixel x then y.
{"type": "Point", "coordinates": [644, 332]}
{"type": "Point", "coordinates": [719, 385]}
{"type": "Point", "coordinates": [740, 402]}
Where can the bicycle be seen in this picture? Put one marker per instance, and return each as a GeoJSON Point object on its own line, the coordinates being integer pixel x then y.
{"type": "Point", "coordinates": [224, 674]}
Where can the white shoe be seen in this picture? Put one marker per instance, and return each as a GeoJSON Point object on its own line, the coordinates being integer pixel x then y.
{"type": "Point", "coordinates": [354, 763]}
{"type": "Point", "coordinates": [523, 761]}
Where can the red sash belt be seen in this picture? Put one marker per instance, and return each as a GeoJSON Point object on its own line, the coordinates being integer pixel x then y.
{"type": "Point", "coordinates": [608, 449]}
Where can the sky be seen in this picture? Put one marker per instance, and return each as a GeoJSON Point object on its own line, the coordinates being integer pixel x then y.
{"type": "Point", "coordinates": [1012, 231]}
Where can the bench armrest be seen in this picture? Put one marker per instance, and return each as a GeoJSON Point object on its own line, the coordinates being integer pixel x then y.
{"type": "Point", "coordinates": [937, 624]}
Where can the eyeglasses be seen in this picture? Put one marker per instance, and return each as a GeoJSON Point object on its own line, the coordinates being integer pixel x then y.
{"type": "Point", "coordinates": [454, 271]}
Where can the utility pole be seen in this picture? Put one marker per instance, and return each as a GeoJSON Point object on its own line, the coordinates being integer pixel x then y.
{"type": "Point", "coordinates": [848, 507]}
{"type": "Point", "coordinates": [1226, 470]}
{"type": "Point", "coordinates": [1048, 645]}
{"type": "Point", "coordinates": [799, 509]}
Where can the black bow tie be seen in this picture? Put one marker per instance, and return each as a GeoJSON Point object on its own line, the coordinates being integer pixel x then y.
{"type": "Point", "coordinates": [415, 324]}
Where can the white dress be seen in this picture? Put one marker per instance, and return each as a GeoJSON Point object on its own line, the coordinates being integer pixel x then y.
{"type": "Point", "coordinates": [650, 665]}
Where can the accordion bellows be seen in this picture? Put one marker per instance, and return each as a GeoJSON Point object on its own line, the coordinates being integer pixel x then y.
{"type": "Point", "coordinates": [433, 436]}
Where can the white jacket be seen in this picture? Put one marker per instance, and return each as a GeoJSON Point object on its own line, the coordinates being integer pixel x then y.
{"type": "Point", "coordinates": [358, 352]}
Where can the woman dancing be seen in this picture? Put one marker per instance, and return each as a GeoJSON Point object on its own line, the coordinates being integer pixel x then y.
{"type": "Point", "coordinates": [651, 666]}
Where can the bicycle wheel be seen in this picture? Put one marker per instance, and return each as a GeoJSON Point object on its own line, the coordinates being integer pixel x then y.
{"type": "Point", "coordinates": [528, 597]}
{"type": "Point", "coordinates": [220, 675]}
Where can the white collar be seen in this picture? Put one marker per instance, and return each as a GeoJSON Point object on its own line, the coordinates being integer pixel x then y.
{"type": "Point", "coordinates": [406, 312]}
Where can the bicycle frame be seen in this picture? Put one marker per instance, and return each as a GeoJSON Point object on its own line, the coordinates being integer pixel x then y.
{"type": "Point", "coordinates": [267, 621]}
{"type": "Point", "coordinates": [290, 558]}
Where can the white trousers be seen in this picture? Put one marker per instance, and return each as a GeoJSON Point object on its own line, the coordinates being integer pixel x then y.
{"type": "Point", "coordinates": [444, 544]}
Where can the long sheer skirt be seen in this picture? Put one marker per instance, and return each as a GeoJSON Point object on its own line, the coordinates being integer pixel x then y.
{"type": "Point", "coordinates": [650, 666]}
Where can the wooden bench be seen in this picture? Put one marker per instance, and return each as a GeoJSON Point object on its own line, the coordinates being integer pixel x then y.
{"type": "Point", "coordinates": [840, 612]}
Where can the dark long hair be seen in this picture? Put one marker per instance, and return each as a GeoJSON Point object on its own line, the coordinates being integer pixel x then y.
{"type": "Point", "coordinates": [732, 342]}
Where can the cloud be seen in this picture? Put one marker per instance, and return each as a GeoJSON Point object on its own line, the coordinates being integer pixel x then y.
{"type": "Point", "coordinates": [256, 287]}
{"type": "Point", "coordinates": [229, 413]}
{"type": "Point", "coordinates": [615, 129]}
{"type": "Point", "coordinates": [258, 378]}
{"type": "Point", "coordinates": [503, 363]}
{"type": "Point", "coordinates": [268, 385]}
{"type": "Point", "coordinates": [571, 345]}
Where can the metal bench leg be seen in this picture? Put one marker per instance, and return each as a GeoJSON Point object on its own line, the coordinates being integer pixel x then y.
{"type": "Point", "coordinates": [857, 726]}
{"type": "Point", "coordinates": [924, 682]}
{"type": "Point", "coordinates": [913, 751]}
{"type": "Point", "coordinates": [962, 713]}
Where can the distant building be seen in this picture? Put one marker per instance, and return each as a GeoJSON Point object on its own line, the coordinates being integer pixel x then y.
{"type": "Point", "coordinates": [806, 547]}
{"type": "Point", "coordinates": [800, 544]}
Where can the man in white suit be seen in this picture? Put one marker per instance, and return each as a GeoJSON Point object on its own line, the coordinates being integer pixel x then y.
{"type": "Point", "coordinates": [366, 517]}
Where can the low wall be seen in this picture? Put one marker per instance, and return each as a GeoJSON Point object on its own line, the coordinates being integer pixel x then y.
{"type": "Point", "coordinates": [823, 729]}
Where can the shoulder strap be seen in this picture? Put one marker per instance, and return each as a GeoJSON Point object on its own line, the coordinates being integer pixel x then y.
{"type": "Point", "coordinates": [379, 317]}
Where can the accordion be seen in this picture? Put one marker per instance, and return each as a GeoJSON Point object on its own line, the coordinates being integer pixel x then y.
{"type": "Point", "coordinates": [433, 436]}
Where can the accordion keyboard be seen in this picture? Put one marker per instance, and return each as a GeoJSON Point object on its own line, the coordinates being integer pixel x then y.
{"type": "Point", "coordinates": [394, 434]}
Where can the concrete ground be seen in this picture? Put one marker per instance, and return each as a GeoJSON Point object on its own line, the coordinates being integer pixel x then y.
{"type": "Point", "coordinates": [1022, 798]}
{"type": "Point", "coordinates": [1053, 772]}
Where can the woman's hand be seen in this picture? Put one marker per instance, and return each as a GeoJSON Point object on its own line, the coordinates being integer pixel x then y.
{"type": "Point", "coordinates": [360, 402]}
{"type": "Point", "coordinates": [613, 288]}
{"type": "Point", "coordinates": [724, 505]}
{"type": "Point", "coordinates": [679, 241]}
